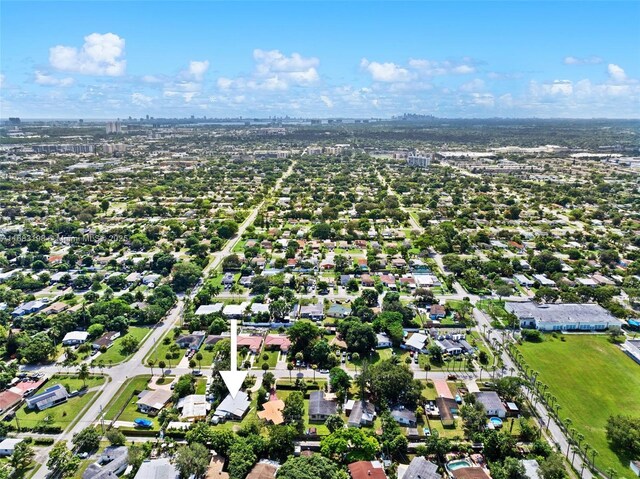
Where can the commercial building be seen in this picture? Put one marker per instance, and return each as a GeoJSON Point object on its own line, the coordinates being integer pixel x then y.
{"type": "Point", "coordinates": [563, 317]}
{"type": "Point", "coordinates": [419, 160]}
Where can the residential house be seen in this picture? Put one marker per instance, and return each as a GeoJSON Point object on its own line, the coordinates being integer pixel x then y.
{"type": "Point", "coordinates": [193, 407]}
{"type": "Point", "coordinates": [474, 472]}
{"type": "Point", "coordinates": [232, 408]}
{"type": "Point", "coordinates": [523, 280]}
{"type": "Point", "coordinates": [29, 307]}
{"type": "Point", "coordinates": [447, 408]}
{"type": "Point", "coordinates": [448, 347]}
{"type": "Point", "coordinates": [531, 468]}
{"type": "Point", "coordinates": [544, 281]}
{"type": "Point", "coordinates": [436, 312]}
{"type": "Point", "coordinates": [161, 468]}
{"type": "Point", "coordinates": [252, 342]}
{"type": "Point", "coordinates": [338, 311]}
{"type": "Point", "coordinates": [361, 413]}
{"type": "Point", "coordinates": [277, 341]}
{"type": "Point", "coordinates": [314, 312]}
{"type": "Point", "coordinates": [74, 338]}
{"type": "Point", "coordinates": [383, 341]}
{"type": "Point", "coordinates": [272, 411]}
{"type": "Point", "coordinates": [264, 470]}
{"type": "Point", "coordinates": [106, 340]}
{"type": "Point", "coordinates": [8, 445]}
{"type": "Point", "coordinates": [419, 468]}
{"type": "Point", "coordinates": [367, 470]}
{"type": "Point", "coordinates": [321, 406]}
{"type": "Point", "coordinates": [635, 467]}
{"type": "Point", "coordinates": [55, 308]}
{"type": "Point", "coordinates": [235, 311]}
{"type": "Point", "coordinates": [192, 341]}
{"type": "Point", "coordinates": [492, 403]}
{"type": "Point", "coordinates": [112, 462]}
{"type": "Point", "coordinates": [50, 397]}
{"type": "Point", "coordinates": [367, 281]}
{"type": "Point", "coordinates": [209, 309]}
{"type": "Point", "coordinates": [565, 316]}
{"type": "Point", "coordinates": [152, 402]}
{"type": "Point", "coordinates": [416, 342]}
{"type": "Point", "coordinates": [404, 416]}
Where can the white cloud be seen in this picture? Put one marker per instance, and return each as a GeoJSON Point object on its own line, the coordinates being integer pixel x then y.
{"type": "Point", "coordinates": [616, 73]}
{"type": "Point", "coordinates": [151, 79]}
{"type": "Point", "coordinates": [555, 88]}
{"type": "Point", "coordinates": [437, 68]}
{"type": "Point", "coordinates": [591, 60]}
{"type": "Point", "coordinates": [101, 54]}
{"type": "Point", "coordinates": [474, 85]}
{"type": "Point", "coordinates": [197, 69]}
{"type": "Point", "coordinates": [275, 71]}
{"type": "Point", "coordinates": [482, 99]}
{"type": "Point", "coordinates": [141, 99]}
{"type": "Point", "coordinates": [327, 101]}
{"type": "Point", "coordinates": [386, 72]}
{"type": "Point", "coordinates": [48, 80]}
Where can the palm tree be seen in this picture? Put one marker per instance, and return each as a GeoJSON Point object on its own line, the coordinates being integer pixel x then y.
{"type": "Point", "coordinates": [568, 423]}
{"type": "Point", "coordinates": [587, 446]}
{"type": "Point", "coordinates": [594, 453]}
{"type": "Point", "coordinates": [574, 450]}
{"type": "Point", "coordinates": [162, 365]}
{"type": "Point", "coordinates": [290, 368]}
{"type": "Point", "coordinates": [151, 363]}
{"type": "Point", "coordinates": [83, 373]}
{"type": "Point", "coordinates": [427, 368]}
{"type": "Point", "coordinates": [168, 357]}
{"type": "Point", "coordinates": [199, 359]}
{"type": "Point", "coordinates": [611, 473]}
{"type": "Point", "coordinates": [314, 367]}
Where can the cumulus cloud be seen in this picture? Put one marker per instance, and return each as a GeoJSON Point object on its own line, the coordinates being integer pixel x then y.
{"type": "Point", "coordinates": [141, 99]}
{"type": "Point", "coordinates": [616, 73]}
{"type": "Point", "coordinates": [275, 71]}
{"type": "Point", "coordinates": [591, 60]}
{"type": "Point", "coordinates": [48, 80]}
{"type": "Point", "coordinates": [438, 68]}
{"type": "Point", "coordinates": [151, 79]}
{"type": "Point", "coordinates": [386, 72]}
{"type": "Point", "coordinates": [101, 54]}
{"type": "Point", "coordinates": [555, 88]}
{"type": "Point", "coordinates": [197, 69]}
{"type": "Point", "coordinates": [474, 85]}
{"type": "Point", "coordinates": [327, 101]}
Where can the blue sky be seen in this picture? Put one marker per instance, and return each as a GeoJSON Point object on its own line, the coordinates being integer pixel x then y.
{"type": "Point", "coordinates": [357, 59]}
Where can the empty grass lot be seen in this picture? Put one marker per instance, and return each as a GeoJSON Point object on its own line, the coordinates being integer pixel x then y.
{"type": "Point", "coordinates": [592, 380]}
{"type": "Point", "coordinates": [139, 383]}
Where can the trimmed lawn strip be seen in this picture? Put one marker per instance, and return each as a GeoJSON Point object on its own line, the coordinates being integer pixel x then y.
{"type": "Point", "coordinates": [138, 383]}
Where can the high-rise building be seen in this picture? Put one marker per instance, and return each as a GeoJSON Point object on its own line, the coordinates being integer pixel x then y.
{"type": "Point", "coordinates": [73, 148]}
{"type": "Point", "coordinates": [113, 127]}
{"type": "Point", "coordinates": [419, 160]}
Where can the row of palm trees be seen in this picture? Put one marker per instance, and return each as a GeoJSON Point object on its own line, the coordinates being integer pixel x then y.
{"type": "Point", "coordinates": [540, 393]}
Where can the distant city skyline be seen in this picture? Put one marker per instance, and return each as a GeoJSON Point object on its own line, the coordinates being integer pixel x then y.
{"type": "Point", "coordinates": [102, 60]}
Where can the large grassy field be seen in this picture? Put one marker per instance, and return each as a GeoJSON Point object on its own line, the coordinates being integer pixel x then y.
{"type": "Point", "coordinates": [592, 380]}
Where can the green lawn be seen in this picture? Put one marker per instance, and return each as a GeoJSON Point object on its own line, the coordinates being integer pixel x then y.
{"type": "Point", "coordinates": [113, 354]}
{"type": "Point", "coordinates": [138, 383]}
{"type": "Point", "coordinates": [64, 414]}
{"type": "Point", "coordinates": [271, 360]}
{"type": "Point", "coordinates": [592, 380]}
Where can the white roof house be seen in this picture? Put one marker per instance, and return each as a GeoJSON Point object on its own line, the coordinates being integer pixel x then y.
{"type": "Point", "coordinates": [565, 316]}
{"type": "Point", "coordinates": [233, 408]}
{"type": "Point", "coordinates": [209, 308]}
{"type": "Point", "coordinates": [157, 469]}
{"type": "Point", "coordinates": [417, 341]}
{"type": "Point", "coordinates": [235, 310]}
{"type": "Point", "coordinates": [193, 407]}
{"type": "Point", "coordinates": [8, 445]}
{"type": "Point", "coordinates": [75, 337]}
